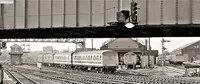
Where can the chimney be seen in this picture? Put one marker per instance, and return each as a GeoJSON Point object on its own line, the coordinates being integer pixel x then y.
{"type": "Point", "coordinates": [146, 44]}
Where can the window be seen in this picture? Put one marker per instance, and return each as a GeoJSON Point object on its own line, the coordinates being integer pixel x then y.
{"type": "Point", "coordinates": [97, 57]}
{"type": "Point", "coordinates": [197, 46]}
{"type": "Point", "coordinates": [93, 58]}
{"type": "Point", "coordinates": [100, 57]}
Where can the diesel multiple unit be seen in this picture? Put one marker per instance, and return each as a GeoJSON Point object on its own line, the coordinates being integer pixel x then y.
{"type": "Point", "coordinates": [100, 60]}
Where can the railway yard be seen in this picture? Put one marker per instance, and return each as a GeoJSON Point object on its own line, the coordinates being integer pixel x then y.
{"type": "Point", "coordinates": [27, 74]}
{"type": "Point", "coordinates": [97, 67]}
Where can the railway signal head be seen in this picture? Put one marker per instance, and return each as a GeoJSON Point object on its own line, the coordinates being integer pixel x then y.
{"type": "Point", "coordinates": [122, 16]}
{"type": "Point", "coordinates": [3, 45]}
{"type": "Point", "coordinates": [134, 8]}
{"type": "Point", "coordinates": [164, 48]}
{"type": "Point", "coordinates": [134, 12]}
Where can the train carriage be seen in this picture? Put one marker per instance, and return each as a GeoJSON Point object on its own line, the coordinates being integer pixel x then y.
{"type": "Point", "coordinates": [130, 59]}
{"type": "Point", "coordinates": [98, 60]}
{"type": "Point", "coordinates": [48, 59]}
{"type": "Point", "coordinates": [176, 59]}
{"type": "Point", "coordinates": [62, 59]}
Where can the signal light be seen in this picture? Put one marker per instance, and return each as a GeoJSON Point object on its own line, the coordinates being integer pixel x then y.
{"type": "Point", "coordinates": [3, 45]}
{"type": "Point", "coordinates": [129, 25]}
{"type": "Point", "coordinates": [134, 8]}
{"type": "Point", "coordinates": [134, 12]}
{"type": "Point", "coordinates": [123, 15]}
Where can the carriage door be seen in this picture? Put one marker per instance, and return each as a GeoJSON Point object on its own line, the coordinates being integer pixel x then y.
{"type": "Point", "coordinates": [121, 57]}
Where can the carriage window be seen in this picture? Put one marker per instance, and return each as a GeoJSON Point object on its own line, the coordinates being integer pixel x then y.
{"type": "Point", "coordinates": [100, 57]}
{"type": "Point", "coordinates": [93, 58]}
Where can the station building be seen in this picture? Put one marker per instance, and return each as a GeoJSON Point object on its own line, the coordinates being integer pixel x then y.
{"type": "Point", "coordinates": [124, 45]}
{"type": "Point", "coordinates": [48, 49]}
{"type": "Point", "coordinates": [190, 51]}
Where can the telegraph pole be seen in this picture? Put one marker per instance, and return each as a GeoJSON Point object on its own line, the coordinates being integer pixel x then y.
{"type": "Point", "coordinates": [149, 53]}
{"type": "Point", "coordinates": [163, 49]}
{"type": "Point", "coordinates": [92, 44]}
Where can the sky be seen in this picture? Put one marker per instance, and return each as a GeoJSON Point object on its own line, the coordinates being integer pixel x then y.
{"type": "Point", "coordinates": [97, 43]}
{"type": "Point", "coordinates": [7, 1]}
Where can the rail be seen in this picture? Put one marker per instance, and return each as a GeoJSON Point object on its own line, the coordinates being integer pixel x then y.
{"type": "Point", "coordinates": [21, 78]}
{"type": "Point", "coordinates": [80, 77]}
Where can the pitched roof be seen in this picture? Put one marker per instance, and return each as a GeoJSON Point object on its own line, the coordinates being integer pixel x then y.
{"type": "Point", "coordinates": [186, 45]}
{"type": "Point", "coordinates": [15, 46]}
{"type": "Point", "coordinates": [113, 39]}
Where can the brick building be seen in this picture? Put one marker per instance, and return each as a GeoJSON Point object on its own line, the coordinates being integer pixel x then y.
{"type": "Point", "coordinates": [190, 51]}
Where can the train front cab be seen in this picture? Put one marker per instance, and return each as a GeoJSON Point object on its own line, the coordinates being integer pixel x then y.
{"type": "Point", "coordinates": [132, 59]}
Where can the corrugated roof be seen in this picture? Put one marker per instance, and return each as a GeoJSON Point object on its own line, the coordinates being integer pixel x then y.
{"type": "Point", "coordinates": [112, 39]}
{"type": "Point", "coordinates": [141, 42]}
{"type": "Point", "coordinates": [108, 41]}
{"type": "Point", "coordinates": [186, 45]}
{"type": "Point", "coordinates": [15, 46]}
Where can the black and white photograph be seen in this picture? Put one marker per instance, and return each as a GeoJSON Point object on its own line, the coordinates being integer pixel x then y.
{"type": "Point", "coordinates": [99, 42]}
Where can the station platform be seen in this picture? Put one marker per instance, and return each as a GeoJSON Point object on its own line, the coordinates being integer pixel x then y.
{"type": "Point", "coordinates": [7, 79]}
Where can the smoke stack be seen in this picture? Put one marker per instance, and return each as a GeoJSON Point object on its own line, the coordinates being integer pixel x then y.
{"type": "Point", "coordinates": [146, 44]}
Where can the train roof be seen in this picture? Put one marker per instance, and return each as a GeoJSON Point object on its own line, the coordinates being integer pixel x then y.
{"type": "Point", "coordinates": [65, 53]}
{"type": "Point", "coordinates": [129, 53]}
{"type": "Point", "coordinates": [92, 52]}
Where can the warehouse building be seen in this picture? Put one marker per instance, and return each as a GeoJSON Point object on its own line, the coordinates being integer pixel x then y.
{"type": "Point", "coordinates": [124, 45]}
{"type": "Point", "coordinates": [190, 51]}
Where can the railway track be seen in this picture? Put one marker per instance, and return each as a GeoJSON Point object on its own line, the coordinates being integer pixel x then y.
{"type": "Point", "coordinates": [76, 78]}
{"type": "Point", "coordinates": [21, 78]}
{"type": "Point", "coordinates": [126, 77]}
{"type": "Point", "coordinates": [82, 77]}
{"type": "Point", "coordinates": [172, 69]}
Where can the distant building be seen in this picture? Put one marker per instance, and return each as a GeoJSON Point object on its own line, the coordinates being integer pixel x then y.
{"type": "Point", "coordinates": [48, 49]}
{"type": "Point", "coordinates": [55, 51]}
{"type": "Point", "coordinates": [189, 51]}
